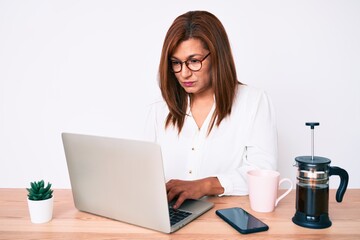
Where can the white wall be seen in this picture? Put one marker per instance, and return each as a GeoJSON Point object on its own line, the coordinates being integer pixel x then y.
{"type": "Point", "coordinates": [91, 67]}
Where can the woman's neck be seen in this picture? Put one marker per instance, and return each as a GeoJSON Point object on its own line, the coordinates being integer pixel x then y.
{"type": "Point", "coordinates": [200, 106]}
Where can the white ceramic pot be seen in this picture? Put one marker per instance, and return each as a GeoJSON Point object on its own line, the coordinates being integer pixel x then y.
{"type": "Point", "coordinates": [41, 211]}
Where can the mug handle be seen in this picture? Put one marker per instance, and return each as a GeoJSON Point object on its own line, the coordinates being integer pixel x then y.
{"type": "Point", "coordinates": [287, 191]}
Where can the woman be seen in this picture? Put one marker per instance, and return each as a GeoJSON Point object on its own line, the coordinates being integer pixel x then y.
{"type": "Point", "coordinates": [212, 128]}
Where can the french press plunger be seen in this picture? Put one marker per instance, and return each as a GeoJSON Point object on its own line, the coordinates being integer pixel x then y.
{"type": "Point", "coordinates": [312, 188]}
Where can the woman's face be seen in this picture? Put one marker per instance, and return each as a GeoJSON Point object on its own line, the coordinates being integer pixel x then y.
{"type": "Point", "coordinates": [194, 82]}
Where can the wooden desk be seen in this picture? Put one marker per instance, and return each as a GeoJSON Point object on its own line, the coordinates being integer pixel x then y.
{"type": "Point", "coordinates": [69, 223]}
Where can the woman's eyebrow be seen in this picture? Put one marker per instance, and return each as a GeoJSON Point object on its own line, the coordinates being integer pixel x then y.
{"type": "Point", "coordinates": [191, 56]}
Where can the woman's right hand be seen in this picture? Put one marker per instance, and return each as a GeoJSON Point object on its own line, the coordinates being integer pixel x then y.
{"type": "Point", "coordinates": [182, 190]}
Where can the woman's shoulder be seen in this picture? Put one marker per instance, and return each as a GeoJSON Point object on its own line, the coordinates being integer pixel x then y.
{"type": "Point", "coordinates": [250, 100]}
{"type": "Point", "coordinates": [249, 92]}
{"type": "Point", "coordinates": [158, 105]}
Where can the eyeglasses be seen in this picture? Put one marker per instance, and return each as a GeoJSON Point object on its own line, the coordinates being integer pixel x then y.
{"type": "Point", "coordinates": [192, 64]}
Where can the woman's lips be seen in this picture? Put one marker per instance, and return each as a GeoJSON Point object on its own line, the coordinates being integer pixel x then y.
{"type": "Point", "coordinates": [188, 84]}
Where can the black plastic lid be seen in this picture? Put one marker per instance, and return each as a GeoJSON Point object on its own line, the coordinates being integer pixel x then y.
{"type": "Point", "coordinates": [308, 160]}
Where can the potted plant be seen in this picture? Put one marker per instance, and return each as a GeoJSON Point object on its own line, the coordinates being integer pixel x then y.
{"type": "Point", "coordinates": [40, 202]}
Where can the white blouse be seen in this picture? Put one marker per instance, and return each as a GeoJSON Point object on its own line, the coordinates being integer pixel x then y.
{"type": "Point", "coordinates": [245, 140]}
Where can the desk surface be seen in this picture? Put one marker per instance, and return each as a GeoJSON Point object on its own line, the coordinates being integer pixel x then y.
{"type": "Point", "coordinates": [69, 223]}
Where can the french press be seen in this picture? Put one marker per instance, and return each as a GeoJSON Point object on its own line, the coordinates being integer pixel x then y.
{"type": "Point", "coordinates": [312, 188]}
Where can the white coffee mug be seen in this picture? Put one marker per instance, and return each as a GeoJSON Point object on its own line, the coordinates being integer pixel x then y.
{"type": "Point", "coordinates": [263, 189]}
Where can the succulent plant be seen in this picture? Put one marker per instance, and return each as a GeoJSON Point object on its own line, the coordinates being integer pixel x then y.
{"type": "Point", "coordinates": [38, 191]}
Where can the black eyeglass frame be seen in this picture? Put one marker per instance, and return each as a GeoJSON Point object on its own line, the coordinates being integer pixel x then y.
{"type": "Point", "coordinates": [187, 62]}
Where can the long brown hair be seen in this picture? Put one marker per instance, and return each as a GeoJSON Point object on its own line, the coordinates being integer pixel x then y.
{"type": "Point", "coordinates": [209, 30]}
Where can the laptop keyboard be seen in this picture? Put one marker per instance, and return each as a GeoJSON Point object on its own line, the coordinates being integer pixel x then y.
{"type": "Point", "coordinates": [177, 215]}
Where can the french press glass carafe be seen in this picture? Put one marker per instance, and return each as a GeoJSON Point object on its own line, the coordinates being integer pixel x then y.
{"type": "Point", "coordinates": [312, 188]}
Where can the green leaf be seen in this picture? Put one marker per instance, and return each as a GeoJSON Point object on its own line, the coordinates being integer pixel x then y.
{"type": "Point", "coordinates": [32, 191]}
{"type": "Point", "coordinates": [47, 196]}
{"type": "Point", "coordinates": [41, 184]}
{"type": "Point", "coordinates": [45, 190]}
{"type": "Point", "coordinates": [34, 186]}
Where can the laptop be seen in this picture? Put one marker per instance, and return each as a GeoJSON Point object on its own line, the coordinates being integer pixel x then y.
{"type": "Point", "coordinates": [123, 179]}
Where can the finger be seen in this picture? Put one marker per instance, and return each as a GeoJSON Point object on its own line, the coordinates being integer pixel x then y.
{"type": "Point", "coordinates": [173, 193]}
{"type": "Point", "coordinates": [170, 196]}
{"type": "Point", "coordinates": [170, 184]}
{"type": "Point", "coordinates": [182, 197]}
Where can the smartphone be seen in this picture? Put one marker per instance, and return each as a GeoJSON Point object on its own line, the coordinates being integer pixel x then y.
{"type": "Point", "coordinates": [241, 220]}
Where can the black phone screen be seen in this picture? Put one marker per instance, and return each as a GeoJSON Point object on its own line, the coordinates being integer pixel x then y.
{"type": "Point", "coordinates": [241, 220]}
